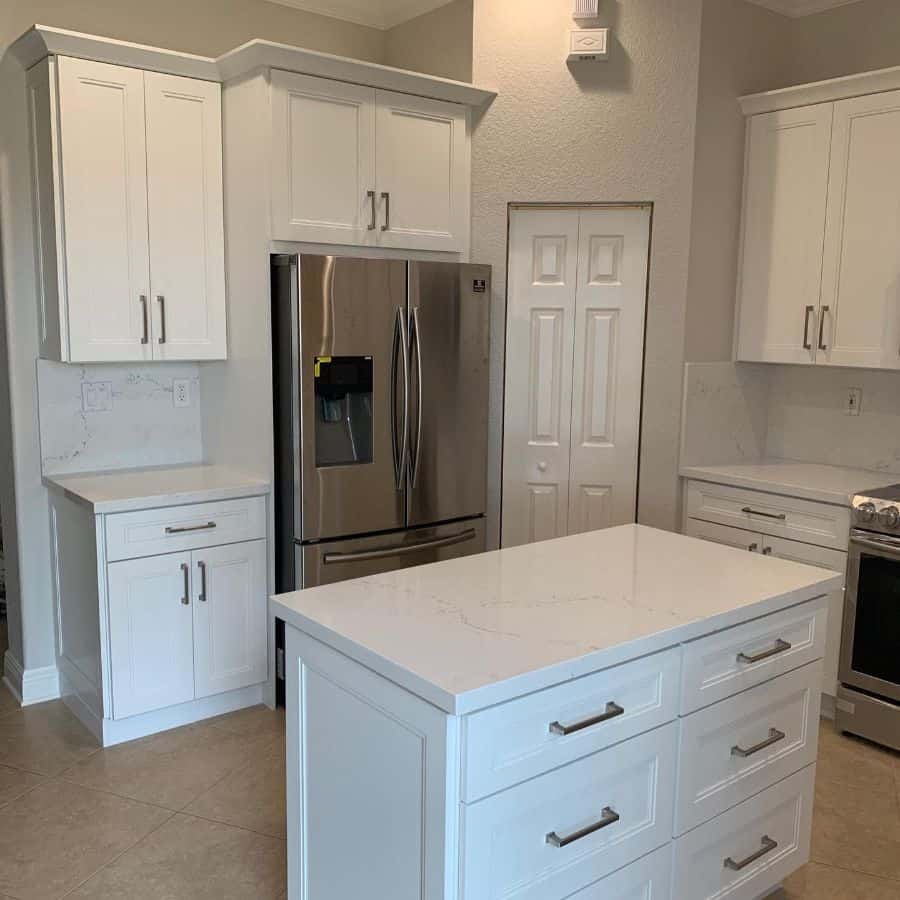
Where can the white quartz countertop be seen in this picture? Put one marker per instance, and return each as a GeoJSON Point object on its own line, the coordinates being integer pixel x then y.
{"type": "Point", "coordinates": [130, 489]}
{"type": "Point", "coordinates": [471, 632]}
{"type": "Point", "coordinates": [810, 481]}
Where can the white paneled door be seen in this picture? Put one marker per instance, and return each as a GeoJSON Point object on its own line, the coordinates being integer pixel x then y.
{"type": "Point", "coordinates": [575, 350]}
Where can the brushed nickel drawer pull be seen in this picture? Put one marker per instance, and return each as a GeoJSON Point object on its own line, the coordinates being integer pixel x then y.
{"type": "Point", "coordinates": [755, 512]}
{"type": "Point", "coordinates": [185, 529]}
{"type": "Point", "coordinates": [612, 710]}
{"type": "Point", "coordinates": [753, 548]}
{"type": "Point", "coordinates": [610, 817]}
{"type": "Point", "coordinates": [807, 344]}
{"type": "Point", "coordinates": [202, 567]}
{"type": "Point", "coordinates": [186, 599]}
{"type": "Point", "coordinates": [768, 845]}
{"type": "Point", "coordinates": [780, 647]}
{"type": "Point", "coordinates": [774, 737]}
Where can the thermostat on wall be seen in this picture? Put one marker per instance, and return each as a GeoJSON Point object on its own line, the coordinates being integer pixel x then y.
{"type": "Point", "coordinates": [588, 44]}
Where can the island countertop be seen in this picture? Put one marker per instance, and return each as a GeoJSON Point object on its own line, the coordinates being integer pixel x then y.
{"type": "Point", "coordinates": [468, 633]}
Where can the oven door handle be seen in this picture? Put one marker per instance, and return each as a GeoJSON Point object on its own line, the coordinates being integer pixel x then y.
{"type": "Point", "coordinates": [886, 546]}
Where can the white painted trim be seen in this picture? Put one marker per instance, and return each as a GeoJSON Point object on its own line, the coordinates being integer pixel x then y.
{"type": "Point", "coordinates": [798, 8]}
{"type": "Point", "coordinates": [827, 709]}
{"type": "Point", "coordinates": [834, 89]}
{"type": "Point", "coordinates": [30, 686]}
{"type": "Point", "coordinates": [42, 40]}
{"type": "Point", "coordinates": [383, 15]}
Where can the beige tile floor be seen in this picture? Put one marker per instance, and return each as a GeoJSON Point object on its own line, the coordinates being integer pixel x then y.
{"type": "Point", "coordinates": [199, 813]}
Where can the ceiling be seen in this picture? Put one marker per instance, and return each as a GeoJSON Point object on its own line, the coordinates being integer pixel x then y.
{"type": "Point", "coordinates": [796, 8]}
{"type": "Point", "coordinates": [382, 14]}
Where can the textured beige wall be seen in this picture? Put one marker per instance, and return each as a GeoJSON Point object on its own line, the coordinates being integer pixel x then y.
{"type": "Point", "coordinates": [744, 48]}
{"type": "Point", "coordinates": [621, 130]}
{"type": "Point", "coordinates": [206, 27]}
{"type": "Point", "coordinates": [438, 43]}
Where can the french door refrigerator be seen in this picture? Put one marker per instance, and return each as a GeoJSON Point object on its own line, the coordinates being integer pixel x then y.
{"type": "Point", "coordinates": [381, 395]}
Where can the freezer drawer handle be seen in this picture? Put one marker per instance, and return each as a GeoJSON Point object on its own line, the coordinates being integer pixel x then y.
{"type": "Point", "coordinates": [387, 552]}
{"type": "Point", "coordinates": [780, 647]}
{"type": "Point", "coordinates": [207, 527]}
{"type": "Point", "coordinates": [774, 737]}
{"type": "Point", "coordinates": [612, 711]}
{"type": "Point", "coordinates": [768, 845]}
{"type": "Point", "coordinates": [610, 817]}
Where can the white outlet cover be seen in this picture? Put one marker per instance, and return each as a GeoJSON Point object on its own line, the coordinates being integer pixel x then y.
{"type": "Point", "coordinates": [96, 396]}
{"type": "Point", "coordinates": [181, 392]}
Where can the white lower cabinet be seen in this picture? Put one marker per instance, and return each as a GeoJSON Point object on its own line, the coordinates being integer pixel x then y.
{"type": "Point", "coordinates": [648, 878]}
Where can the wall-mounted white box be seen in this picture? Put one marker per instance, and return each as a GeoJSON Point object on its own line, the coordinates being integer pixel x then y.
{"type": "Point", "coordinates": [588, 45]}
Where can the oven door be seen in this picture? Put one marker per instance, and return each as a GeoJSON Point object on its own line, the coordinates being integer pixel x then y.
{"type": "Point", "coordinates": [869, 650]}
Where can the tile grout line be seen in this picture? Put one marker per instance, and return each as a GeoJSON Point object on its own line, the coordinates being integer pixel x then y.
{"type": "Point", "coordinates": [885, 878]}
{"type": "Point", "coordinates": [265, 834]}
{"type": "Point", "coordinates": [109, 793]}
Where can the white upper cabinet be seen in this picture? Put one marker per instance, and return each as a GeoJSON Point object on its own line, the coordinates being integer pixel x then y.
{"type": "Point", "coordinates": [359, 166]}
{"type": "Point", "coordinates": [786, 179]}
{"type": "Point", "coordinates": [129, 209]}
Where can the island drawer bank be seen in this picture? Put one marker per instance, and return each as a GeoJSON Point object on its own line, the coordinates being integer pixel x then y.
{"type": "Point", "coordinates": [578, 763]}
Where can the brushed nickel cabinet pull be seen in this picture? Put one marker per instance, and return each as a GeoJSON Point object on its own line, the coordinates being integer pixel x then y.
{"type": "Point", "coordinates": [387, 211]}
{"type": "Point", "coordinates": [612, 711]}
{"type": "Point", "coordinates": [767, 551]}
{"type": "Point", "coordinates": [822, 345]}
{"type": "Point", "coordinates": [807, 345]}
{"type": "Point", "coordinates": [162, 318]}
{"type": "Point", "coordinates": [186, 528]}
{"type": "Point", "coordinates": [202, 567]}
{"type": "Point", "coordinates": [186, 599]}
{"type": "Point", "coordinates": [373, 221]}
{"type": "Point", "coordinates": [609, 817]}
{"type": "Point", "coordinates": [145, 339]}
{"type": "Point", "coordinates": [768, 845]}
{"type": "Point", "coordinates": [750, 511]}
{"type": "Point", "coordinates": [753, 547]}
{"type": "Point", "coordinates": [780, 647]}
{"type": "Point", "coordinates": [774, 737]}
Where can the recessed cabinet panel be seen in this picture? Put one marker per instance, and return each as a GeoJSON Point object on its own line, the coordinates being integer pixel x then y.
{"type": "Point", "coordinates": [104, 177]}
{"type": "Point", "coordinates": [187, 243]}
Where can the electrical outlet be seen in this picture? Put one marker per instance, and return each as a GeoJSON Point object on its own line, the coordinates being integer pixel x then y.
{"type": "Point", "coordinates": [853, 401]}
{"type": "Point", "coordinates": [181, 392]}
{"type": "Point", "coordinates": [96, 396]}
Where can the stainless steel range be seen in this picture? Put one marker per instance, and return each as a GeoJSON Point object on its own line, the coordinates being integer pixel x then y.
{"type": "Point", "coordinates": [868, 702]}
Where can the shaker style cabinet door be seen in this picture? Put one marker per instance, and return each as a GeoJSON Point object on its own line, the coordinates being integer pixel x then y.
{"type": "Point", "coordinates": [102, 157]}
{"type": "Point", "coordinates": [187, 242]}
{"type": "Point", "coordinates": [423, 173]}
{"type": "Point", "coordinates": [323, 160]}
{"type": "Point", "coordinates": [785, 188]}
{"type": "Point", "coordinates": [150, 633]}
{"type": "Point", "coordinates": [861, 275]}
{"type": "Point", "coordinates": [230, 603]}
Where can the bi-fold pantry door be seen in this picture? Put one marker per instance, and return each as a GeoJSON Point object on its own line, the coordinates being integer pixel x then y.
{"type": "Point", "coordinates": [574, 366]}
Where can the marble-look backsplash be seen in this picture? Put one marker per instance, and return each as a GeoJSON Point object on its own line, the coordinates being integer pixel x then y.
{"type": "Point", "coordinates": [143, 428]}
{"type": "Point", "coordinates": [745, 411]}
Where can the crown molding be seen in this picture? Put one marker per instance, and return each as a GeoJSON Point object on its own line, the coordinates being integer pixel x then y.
{"type": "Point", "coordinates": [795, 9]}
{"type": "Point", "coordinates": [380, 14]}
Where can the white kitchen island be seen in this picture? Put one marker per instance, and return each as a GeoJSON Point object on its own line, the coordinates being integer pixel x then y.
{"type": "Point", "coordinates": [621, 714]}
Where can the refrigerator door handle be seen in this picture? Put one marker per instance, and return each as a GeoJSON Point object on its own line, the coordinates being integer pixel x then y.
{"type": "Point", "coordinates": [401, 344]}
{"type": "Point", "coordinates": [418, 350]}
{"type": "Point", "coordinates": [400, 550]}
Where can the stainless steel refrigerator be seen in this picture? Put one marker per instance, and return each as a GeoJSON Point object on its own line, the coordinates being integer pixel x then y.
{"type": "Point", "coordinates": [381, 395]}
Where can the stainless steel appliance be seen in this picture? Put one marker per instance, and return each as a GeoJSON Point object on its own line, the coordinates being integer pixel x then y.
{"type": "Point", "coordinates": [868, 701]}
{"type": "Point", "coordinates": [381, 395]}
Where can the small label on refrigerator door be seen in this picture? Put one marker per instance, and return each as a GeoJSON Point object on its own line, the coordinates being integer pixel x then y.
{"type": "Point", "coordinates": [479, 285]}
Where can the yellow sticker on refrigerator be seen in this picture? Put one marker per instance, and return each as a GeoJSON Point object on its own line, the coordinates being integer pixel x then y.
{"type": "Point", "coordinates": [319, 361]}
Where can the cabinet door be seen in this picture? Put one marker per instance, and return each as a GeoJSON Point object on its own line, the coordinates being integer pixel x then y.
{"type": "Point", "coordinates": [150, 633]}
{"type": "Point", "coordinates": [104, 186]}
{"type": "Point", "coordinates": [785, 188]}
{"type": "Point", "coordinates": [323, 160]}
{"type": "Point", "coordinates": [724, 534]}
{"type": "Point", "coordinates": [824, 558]}
{"type": "Point", "coordinates": [187, 242]}
{"type": "Point", "coordinates": [423, 173]}
{"type": "Point", "coordinates": [230, 602]}
{"type": "Point", "coordinates": [861, 275]}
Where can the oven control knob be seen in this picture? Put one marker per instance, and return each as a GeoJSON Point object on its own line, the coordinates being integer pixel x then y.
{"type": "Point", "coordinates": [866, 512]}
{"type": "Point", "coordinates": [889, 516]}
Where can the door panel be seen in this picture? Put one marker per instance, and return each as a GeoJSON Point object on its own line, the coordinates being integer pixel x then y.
{"type": "Point", "coordinates": [785, 186]}
{"type": "Point", "coordinates": [187, 242]}
{"type": "Point", "coordinates": [328, 563]}
{"type": "Point", "coordinates": [543, 254]}
{"type": "Point", "coordinates": [610, 300]}
{"type": "Point", "coordinates": [449, 322]}
{"type": "Point", "coordinates": [150, 633]}
{"type": "Point", "coordinates": [350, 313]}
{"type": "Point", "coordinates": [104, 175]}
{"type": "Point", "coordinates": [423, 165]}
{"type": "Point", "coordinates": [323, 162]}
{"type": "Point", "coordinates": [230, 601]}
{"type": "Point", "coordinates": [861, 277]}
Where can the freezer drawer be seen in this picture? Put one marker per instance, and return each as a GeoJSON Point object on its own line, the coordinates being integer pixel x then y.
{"type": "Point", "coordinates": [333, 561]}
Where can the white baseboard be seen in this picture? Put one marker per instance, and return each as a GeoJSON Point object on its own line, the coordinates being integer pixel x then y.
{"type": "Point", "coordinates": [30, 686]}
{"type": "Point", "coordinates": [827, 709]}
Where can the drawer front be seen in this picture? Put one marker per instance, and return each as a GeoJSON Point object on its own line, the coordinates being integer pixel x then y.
{"type": "Point", "coordinates": [787, 517]}
{"type": "Point", "coordinates": [737, 748]}
{"type": "Point", "coordinates": [509, 743]}
{"type": "Point", "coordinates": [648, 878]}
{"type": "Point", "coordinates": [175, 528]}
{"type": "Point", "coordinates": [560, 832]}
{"type": "Point", "coordinates": [749, 850]}
{"type": "Point", "coordinates": [752, 541]}
{"type": "Point", "coordinates": [722, 664]}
